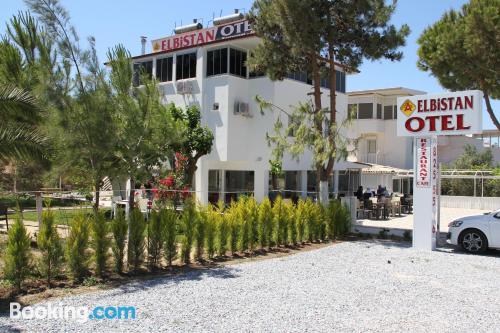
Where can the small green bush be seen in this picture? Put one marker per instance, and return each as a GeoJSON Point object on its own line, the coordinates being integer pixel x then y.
{"type": "Point", "coordinates": [265, 223]}
{"type": "Point", "coordinates": [223, 231]}
{"type": "Point", "coordinates": [49, 244]}
{"type": "Point", "coordinates": [77, 243]}
{"type": "Point", "coordinates": [310, 220]}
{"type": "Point", "coordinates": [211, 222]}
{"type": "Point", "coordinates": [241, 216]}
{"type": "Point", "coordinates": [234, 227]}
{"type": "Point", "coordinates": [279, 222]}
{"type": "Point", "coordinates": [155, 239]}
{"type": "Point", "coordinates": [17, 254]}
{"type": "Point", "coordinates": [200, 234]}
{"type": "Point", "coordinates": [188, 223]}
{"type": "Point", "coordinates": [100, 243]}
{"type": "Point", "coordinates": [169, 217]}
{"type": "Point", "coordinates": [253, 222]}
{"type": "Point", "coordinates": [119, 229]}
{"type": "Point", "coordinates": [292, 223]}
{"type": "Point", "coordinates": [136, 243]}
{"type": "Point", "coordinates": [301, 220]}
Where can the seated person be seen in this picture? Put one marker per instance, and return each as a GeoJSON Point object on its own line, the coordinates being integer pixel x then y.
{"type": "Point", "coordinates": [359, 193]}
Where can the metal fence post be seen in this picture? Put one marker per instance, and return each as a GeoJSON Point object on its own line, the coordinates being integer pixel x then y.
{"type": "Point", "coordinates": [39, 206]}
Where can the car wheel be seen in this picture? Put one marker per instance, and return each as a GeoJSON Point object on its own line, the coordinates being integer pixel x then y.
{"type": "Point", "coordinates": [473, 241]}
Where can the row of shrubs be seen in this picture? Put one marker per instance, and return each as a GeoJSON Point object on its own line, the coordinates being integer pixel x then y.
{"type": "Point", "coordinates": [198, 232]}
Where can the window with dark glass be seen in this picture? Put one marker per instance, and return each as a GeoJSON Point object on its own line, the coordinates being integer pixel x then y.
{"type": "Point", "coordinates": [142, 68]}
{"type": "Point", "coordinates": [379, 111]}
{"type": "Point", "coordinates": [395, 112]}
{"type": "Point", "coordinates": [217, 62]}
{"type": "Point", "coordinates": [352, 110]}
{"type": "Point", "coordinates": [186, 66]}
{"type": "Point", "coordinates": [237, 62]}
{"type": "Point", "coordinates": [388, 114]}
{"type": "Point", "coordinates": [164, 69]}
{"type": "Point", "coordinates": [365, 111]}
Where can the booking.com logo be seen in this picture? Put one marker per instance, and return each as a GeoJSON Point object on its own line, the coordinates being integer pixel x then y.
{"type": "Point", "coordinates": [67, 312]}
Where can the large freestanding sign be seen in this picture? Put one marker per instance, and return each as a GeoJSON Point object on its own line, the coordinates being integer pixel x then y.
{"type": "Point", "coordinates": [426, 117]}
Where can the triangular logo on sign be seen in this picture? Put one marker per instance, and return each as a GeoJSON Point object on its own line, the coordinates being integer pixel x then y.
{"type": "Point", "coordinates": [408, 107]}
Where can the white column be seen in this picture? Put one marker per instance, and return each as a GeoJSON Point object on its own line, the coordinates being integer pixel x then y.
{"type": "Point", "coordinates": [303, 184]}
{"type": "Point", "coordinates": [261, 184]}
{"type": "Point", "coordinates": [336, 182]}
{"type": "Point", "coordinates": [201, 182]}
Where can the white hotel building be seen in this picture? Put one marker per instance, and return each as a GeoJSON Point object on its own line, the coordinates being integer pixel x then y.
{"type": "Point", "coordinates": [206, 67]}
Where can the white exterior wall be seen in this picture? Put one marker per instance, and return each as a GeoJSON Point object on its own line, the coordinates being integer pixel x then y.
{"type": "Point", "coordinates": [240, 142]}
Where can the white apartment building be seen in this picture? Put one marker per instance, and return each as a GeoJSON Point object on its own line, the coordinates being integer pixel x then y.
{"type": "Point", "coordinates": [207, 67]}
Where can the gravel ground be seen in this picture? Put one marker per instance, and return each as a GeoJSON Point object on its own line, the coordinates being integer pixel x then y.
{"type": "Point", "coordinates": [349, 287]}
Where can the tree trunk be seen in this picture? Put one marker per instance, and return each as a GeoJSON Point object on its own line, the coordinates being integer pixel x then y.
{"type": "Point", "coordinates": [97, 195]}
{"type": "Point", "coordinates": [190, 171]}
{"type": "Point", "coordinates": [490, 111]}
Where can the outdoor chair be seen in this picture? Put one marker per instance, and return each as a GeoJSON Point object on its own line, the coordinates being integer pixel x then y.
{"type": "Point", "coordinates": [4, 215]}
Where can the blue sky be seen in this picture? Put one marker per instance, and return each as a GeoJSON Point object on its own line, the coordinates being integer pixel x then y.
{"type": "Point", "coordinates": [113, 21]}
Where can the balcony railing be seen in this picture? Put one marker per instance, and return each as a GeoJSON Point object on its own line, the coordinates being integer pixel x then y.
{"type": "Point", "coordinates": [374, 158]}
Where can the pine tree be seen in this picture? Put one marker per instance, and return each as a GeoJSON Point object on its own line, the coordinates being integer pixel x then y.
{"type": "Point", "coordinates": [188, 222]}
{"type": "Point", "coordinates": [223, 230]}
{"type": "Point", "coordinates": [77, 244]}
{"type": "Point", "coordinates": [313, 36]}
{"type": "Point", "coordinates": [265, 223]}
{"type": "Point", "coordinates": [155, 239]}
{"type": "Point", "coordinates": [200, 234]}
{"type": "Point", "coordinates": [17, 254]}
{"type": "Point", "coordinates": [212, 218]}
{"type": "Point", "coordinates": [169, 233]}
{"type": "Point", "coordinates": [136, 244]}
{"type": "Point", "coordinates": [49, 244]}
{"type": "Point", "coordinates": [119, 230]}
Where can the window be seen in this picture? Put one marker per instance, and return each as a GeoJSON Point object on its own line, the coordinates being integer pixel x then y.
{"type": "Point", "coordinates": [164, 69]}
{"type": "Point", "coordinates": [142, 68]}
{"type": "Point", "coordinates": [352, 110]}
{"type": "Point", "coordinates": [186, 66]}
{"type": "Point", "coordinates": [388, 114]}
{"type": "Point", "coordinates": [379, 111]}
{"type": "Point", "coordinates": [301, 76]}
{"type": "Point", "coordinates": [238, 183]}
{"type": "Point", "coordinates": [365, 111]}
{"type": "Point", "coordinates": [217, 62]}
{"type": "Point", "coordinates": [311, 181]}
{"type": "Point", "coordinates": [395, 111]}
{"type": "Point", "coordinates": [372, 146]}
{"type": "Point", "coordinates": [237, 62]}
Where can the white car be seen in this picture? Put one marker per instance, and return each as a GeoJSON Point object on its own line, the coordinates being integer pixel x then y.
{"type": "Point", "coordinates": [476, 233]}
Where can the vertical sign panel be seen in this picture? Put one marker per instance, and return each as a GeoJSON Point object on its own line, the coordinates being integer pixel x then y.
{"type": "Point", "coordinates": [423, 172]}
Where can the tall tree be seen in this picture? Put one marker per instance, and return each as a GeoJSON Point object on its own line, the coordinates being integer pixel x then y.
{"type": "Point", "coordinates": [318, 36]}
{"type": "Point", "coordinates": [82, 101]}
{"type": "Point", "coordinates": [146, 130]}
{"type": "Point", "coordinates": [462, 50]}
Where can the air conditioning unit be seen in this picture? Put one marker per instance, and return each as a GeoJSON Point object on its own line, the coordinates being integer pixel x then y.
{"type": "Point", "coordinates": [184, 87]}
{"type": "Point", "coordinates": [242, 109]}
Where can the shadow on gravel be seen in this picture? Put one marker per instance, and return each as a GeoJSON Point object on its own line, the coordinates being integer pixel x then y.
{"type": "Point", "coordinates": [192, 275]}
{"type": "Point", "coordinates": [8, 329]}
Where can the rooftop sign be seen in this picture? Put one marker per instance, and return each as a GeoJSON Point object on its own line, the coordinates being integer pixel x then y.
{"type": "Point", "coordinates": [454, 113]}
{"type": "Point", "coordinates": [202, 36]}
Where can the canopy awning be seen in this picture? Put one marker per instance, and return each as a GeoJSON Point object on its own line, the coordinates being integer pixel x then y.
{"type": "Point", "coordinates": [383, 169]}
{"type": "Point", "coordinates": [348, 165]}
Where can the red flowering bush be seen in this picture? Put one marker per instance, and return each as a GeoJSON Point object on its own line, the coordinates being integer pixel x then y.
{"type": "Point", "coordinates": [172, 187]}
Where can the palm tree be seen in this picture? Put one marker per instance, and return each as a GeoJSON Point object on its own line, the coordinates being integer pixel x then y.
{"type": "Point", "coordinates": [19, 138]}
